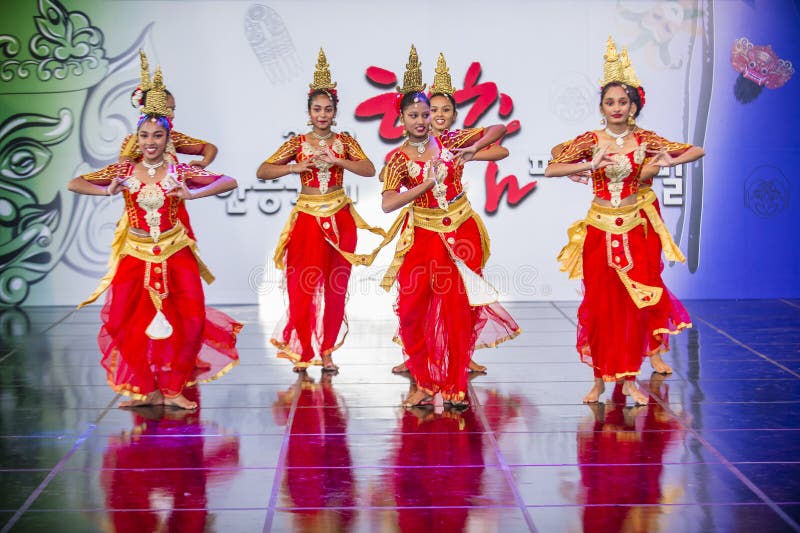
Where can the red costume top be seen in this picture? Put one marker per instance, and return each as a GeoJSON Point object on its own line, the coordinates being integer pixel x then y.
{"type": "Point", "coordinates": [618, 181]}
{"type": "Point", "coordinates": [402, 171]}
{"type": "Point", "coordinates": [321, 176]}
{"type": "Point", "coordinates": [148, 206]}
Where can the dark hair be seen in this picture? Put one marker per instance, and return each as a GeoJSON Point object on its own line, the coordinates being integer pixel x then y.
{"type": "Point", "coordinates": [446, 95]}
{"type": "Point", "coordinates": [746, 90]}
{"type": "Point", "coordinates": [633, 95]}
{"type": "Point", "coordinates": [330, 94]}
{"type": "Point", "coordinates": [412, 98]}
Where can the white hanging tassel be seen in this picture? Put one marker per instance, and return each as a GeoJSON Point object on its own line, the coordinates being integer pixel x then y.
{"type": "Point", "coordinates": [159, 327]}
{"type": "Point", "coordinates": [479, 292]}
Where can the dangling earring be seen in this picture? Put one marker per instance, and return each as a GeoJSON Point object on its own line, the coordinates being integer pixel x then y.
{"type": "Point", "coordinates": [309, 123]}
{"type": "Point", "coordinates": [602, 120]}
{"type": "Point", "coordinates": [631, 121]}
{"type": "Point", "coordinates": [333, 122]}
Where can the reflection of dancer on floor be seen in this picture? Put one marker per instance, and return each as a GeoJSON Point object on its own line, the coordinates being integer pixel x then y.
{"type": "Point", "coordinates": [439, 328]}
{"type": "Point", "coordinates": [620, 453]}
{"type": "Point", "coordinates": [317, 245]}
{"type": "Point", "coordinates": [438, 470]}
{"type": "Point", "coordinates": [443, 116]}
{"type": "Point", "coordinates": [155, 322]}
{"type": "Point", "coordinates": [155, 476]}
{"type": "Point", "coordinates": [319, 482]}
{"type": "Point", "coordinates": [626, 313]}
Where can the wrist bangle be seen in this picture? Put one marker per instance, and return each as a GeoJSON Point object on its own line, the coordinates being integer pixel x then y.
{"type": "Point", "coordinates": [591, 165]}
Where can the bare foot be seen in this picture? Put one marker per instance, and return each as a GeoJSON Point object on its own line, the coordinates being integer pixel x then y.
{"type": "Point", "coordinates": [327, 364]}
{"type": "Point", "coordinates": [629, 388]}
{"type": "Point", "coordinates": [475, 367]}
{"type": "Point", "coordinates": [180, 401]}
{"type": "Point", "coordinates": [154, 398]}
{"type": "Point", "coordinates": [659, 365]}
{"type": "Point", "coordinates": [418, 397]}
{"type": "Point", "coordinates": [594, 394]}
{"type": "Point", "coordinates": [399, 369]}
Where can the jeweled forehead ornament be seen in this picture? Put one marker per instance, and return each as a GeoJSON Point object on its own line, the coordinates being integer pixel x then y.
{"type": "Point", "coordinates": [760, 64]}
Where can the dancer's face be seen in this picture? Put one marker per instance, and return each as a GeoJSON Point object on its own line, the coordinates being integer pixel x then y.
{"type": "Point", "coordinates": [616, 106]}
{"type": "Point", "coordinates": [322, 112]}
{"type": "Point", "coordinates": [152, 139]}
{"type": "Point", "coordinates": [443, 114]}
{"type": "Point", "coordinates": [171, 104]}
{"type": "Point", "coordinates": [417, 120]}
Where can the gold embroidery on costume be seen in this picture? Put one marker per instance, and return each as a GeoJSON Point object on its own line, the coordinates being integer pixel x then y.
{"type": "Point", "coordinates": [286, 152]}
{"type": "Point", "coordinates": [579, 149]}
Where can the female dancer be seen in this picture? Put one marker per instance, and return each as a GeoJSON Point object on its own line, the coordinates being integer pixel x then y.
{"type": "Point", "coordinates": [155, 322]}
{"type": "Point", "coordinates": [439, 229]}
{"type": "Point", "coordinates": [443, 116]}
{"type": "Point", "coordinates": [626, 313]}
{"type": "Point", "coordinates": [318, 241]}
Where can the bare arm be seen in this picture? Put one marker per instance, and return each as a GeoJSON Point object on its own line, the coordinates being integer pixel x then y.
{"type": "Point", "coordinates": [209, 153]}
{"type": "Point", "coordinates": [393, 200]}
{"type": "Point", "coordinates": [219, 185]}
{"type": "Point", "coordinates": [81, 186]}
{"type": "Point", "coordinates": [272, 171]}
{"type": "Point", "coordinates": [494, 152]}
{"type": "Point", "coordinates": [362, 167]}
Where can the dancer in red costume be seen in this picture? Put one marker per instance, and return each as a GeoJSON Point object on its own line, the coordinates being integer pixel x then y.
{"type": "Point", "coordinates": [318, 242]}
{"type": "Point", "coordinates": [443, 116]}
{"type": "Point", "coordinates": [626, 313]}
{"type": "Point", "coordinates": [442, 240]}
{"type": "Point", "coordinates": [155, 322]}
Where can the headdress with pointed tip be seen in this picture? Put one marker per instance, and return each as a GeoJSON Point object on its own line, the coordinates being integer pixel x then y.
{"type": "Point", "coordinates": [322, 75]}
{"type": "Point", "coordinates": [146, 84]}
{"type": "Point", "coordinates": [412, 79]}
{"type": "Point", "coordinates": [442, 82]}
{"type": "Point", "coordinates": [156, 99]}
{"type": "Point", "coordinates": [617, 67]}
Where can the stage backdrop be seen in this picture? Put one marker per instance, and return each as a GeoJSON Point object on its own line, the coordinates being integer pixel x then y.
{"type": "Point", "coordinates": [240, 72]}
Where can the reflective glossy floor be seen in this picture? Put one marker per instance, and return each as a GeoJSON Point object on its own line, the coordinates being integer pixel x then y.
{"type": "Point", "coordinates": [717, 448]}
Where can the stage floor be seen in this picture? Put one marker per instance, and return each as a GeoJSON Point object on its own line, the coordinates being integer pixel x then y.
{"type": "Point", "coordinates": [717, 449]}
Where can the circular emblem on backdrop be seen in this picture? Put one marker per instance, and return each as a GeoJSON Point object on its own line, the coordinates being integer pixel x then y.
{"type": "Point", "coordinates": [766, 191]}
{"type": "Point", "coordinates": [573, 98]}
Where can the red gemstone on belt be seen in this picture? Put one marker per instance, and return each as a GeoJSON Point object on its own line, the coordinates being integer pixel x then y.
{"type": "Point", "coordinates": [157, 249]}
{"type": "Point", "coordinates": [446, 221]}
{"type": "Point", "coordinates": [619, 221]}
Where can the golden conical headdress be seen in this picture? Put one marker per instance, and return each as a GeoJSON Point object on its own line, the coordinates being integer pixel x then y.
{"type": "Point", "coordinates": [412, 79]}
{"type": "Point", "coordinates": [617, 67]}
{"type": "Point", "coordinates": [442, 82]}
{"type": "Point", "coordinates": [146, 84]}
{"type": "Point", "coordinates": [628, 74]}
{"type": "Point", "coordinates": [322, 74]}
{"type": "Point", "coordinates": [156, 97]}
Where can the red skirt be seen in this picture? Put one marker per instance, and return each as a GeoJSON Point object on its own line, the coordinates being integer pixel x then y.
{"type": "Point", "coordinates": [316, 280]}
{"type": "Point", "coordinates": [438, 328]}
{"type": "Point", "coordinates": [614, 335]}
{"type": "Point", "coordinates": [669, 316]}
{"type": "Point", "coordinates": [137, 365]}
